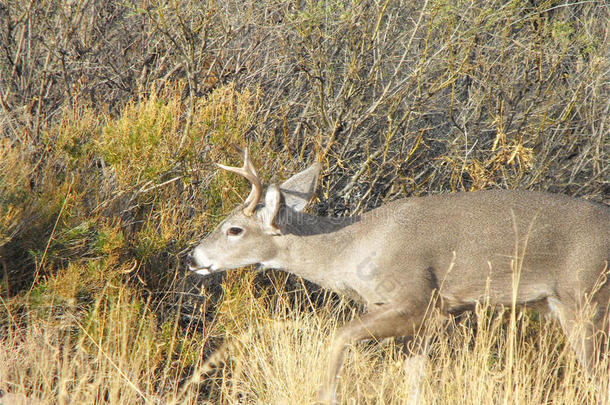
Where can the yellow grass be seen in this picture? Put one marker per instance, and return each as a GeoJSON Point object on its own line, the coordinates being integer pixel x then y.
{"type": "Point", "coordinates": [274, 353]}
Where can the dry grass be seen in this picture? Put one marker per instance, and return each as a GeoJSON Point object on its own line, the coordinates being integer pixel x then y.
{"type": "Point", "coordinates": [274, 353]}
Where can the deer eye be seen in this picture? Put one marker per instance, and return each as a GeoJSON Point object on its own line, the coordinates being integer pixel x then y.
{"type": "Point", "coordinates": [234, 231]}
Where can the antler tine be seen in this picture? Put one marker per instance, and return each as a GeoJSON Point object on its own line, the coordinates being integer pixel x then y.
{"type": "Point", "coordinates": [249, 173]}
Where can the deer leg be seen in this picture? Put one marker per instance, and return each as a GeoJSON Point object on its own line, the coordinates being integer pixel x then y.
{"type": "Point", "coordinates": [579, 330]}
{"type": "Point", "coordinates": [587, 330]}
{"type": "Point", "coordinates": [379, 324]}
{"type": "Point", "coordinates": [416, 348]}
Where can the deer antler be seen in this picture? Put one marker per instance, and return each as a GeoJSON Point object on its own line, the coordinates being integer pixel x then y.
{"type": "Point", "coordinates": [249, 173]}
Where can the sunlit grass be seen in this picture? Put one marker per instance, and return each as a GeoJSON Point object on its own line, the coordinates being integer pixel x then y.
{"type": "Point", "coordinates": [274, 352]}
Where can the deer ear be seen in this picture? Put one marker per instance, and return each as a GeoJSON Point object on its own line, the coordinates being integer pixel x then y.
{"type": "Point", "coordinates": [273, 201]}
{"type": "Point", "coordinates": [299, 189]}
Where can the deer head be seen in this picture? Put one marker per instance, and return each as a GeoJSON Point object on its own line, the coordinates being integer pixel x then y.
{"type": "Point", "coordinates": [249, 234]}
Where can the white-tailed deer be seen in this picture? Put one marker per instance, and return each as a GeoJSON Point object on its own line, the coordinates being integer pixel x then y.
{"type": "Point", "coordinates": [504, 247]}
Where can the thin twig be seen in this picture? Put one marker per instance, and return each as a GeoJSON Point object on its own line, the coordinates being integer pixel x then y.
{"type": "Point", "coordinates": [46, 249]}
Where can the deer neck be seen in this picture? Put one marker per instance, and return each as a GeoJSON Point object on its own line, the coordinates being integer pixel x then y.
{"type": "Point", "coordinates": [309, 245]}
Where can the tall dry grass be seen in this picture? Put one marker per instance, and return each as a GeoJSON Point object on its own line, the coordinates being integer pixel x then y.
{"type": "Point", "coordinates": [276, 347]}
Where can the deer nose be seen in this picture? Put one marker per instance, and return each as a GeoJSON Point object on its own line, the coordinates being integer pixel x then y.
{"type": "Point", "coordinates": [189, 258]}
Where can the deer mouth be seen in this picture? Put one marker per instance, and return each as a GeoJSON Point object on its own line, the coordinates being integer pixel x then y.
{"type": "Point", "coordinates": [204, 271]}
{"type": "Point", "coordinates": [201, 270]}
